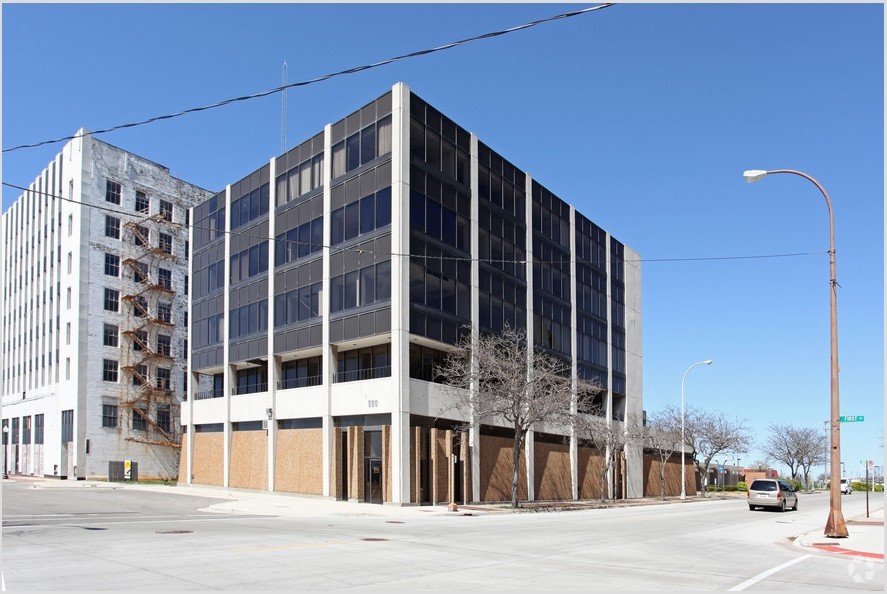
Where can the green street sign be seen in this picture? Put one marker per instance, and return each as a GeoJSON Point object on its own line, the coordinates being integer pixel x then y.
{"type": "Point", "coordinates": [859, 418]}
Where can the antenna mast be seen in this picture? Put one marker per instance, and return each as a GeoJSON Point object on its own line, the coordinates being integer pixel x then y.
{"type": "Point", "coordinates": [283, 111]}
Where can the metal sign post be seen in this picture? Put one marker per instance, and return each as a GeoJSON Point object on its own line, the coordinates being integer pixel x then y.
{"type": "Point", "coordinates": [866, 490]}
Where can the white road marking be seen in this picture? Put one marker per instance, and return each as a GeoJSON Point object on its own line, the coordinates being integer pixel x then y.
{"type": "Point", "coordinates": [766, 574]}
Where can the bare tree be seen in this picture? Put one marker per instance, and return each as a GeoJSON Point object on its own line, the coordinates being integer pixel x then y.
{"type": "Point", "coordinates": [812, 446]}
{"type": "Point", "coordinates": [607, 436]}
{"type": "Point", "coordinates": [799, 448]}
{"type": "Point", "coordinates": [497, 381]}
{"type": "Point", "coordinates": [663, 437]}
{"type": "Point", "coordinates": [760, 464]}
{"type": "Point", "coordinates": [711, 433]}
{"type": "Point", "coordinates": [782, 447]}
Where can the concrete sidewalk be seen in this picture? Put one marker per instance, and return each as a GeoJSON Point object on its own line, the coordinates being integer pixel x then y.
{"type": "Point", "coordinates": [865, 538]}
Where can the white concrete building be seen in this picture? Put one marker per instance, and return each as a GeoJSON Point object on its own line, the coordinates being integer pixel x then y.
{"type": "Point", "coordinates": [93, 307]}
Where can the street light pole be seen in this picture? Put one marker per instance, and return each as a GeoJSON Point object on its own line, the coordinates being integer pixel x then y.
{"type": "Point", "coordinates": [683, 439]}
{"type": "Point", "coordinates": [835, 526]}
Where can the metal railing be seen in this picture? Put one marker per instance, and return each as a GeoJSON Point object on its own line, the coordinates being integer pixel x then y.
{"type": "Point", "coordinates": [207, 394]}
{"type": "Point", "coordinates": [250, 389]}
{"type": "Point", "coordinates": [300, 382]}
{"type": "Point", "coordinates": [362, 374]}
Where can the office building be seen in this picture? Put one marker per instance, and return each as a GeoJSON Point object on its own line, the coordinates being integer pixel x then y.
{"type": "Point", "coordinates": [329, 282]}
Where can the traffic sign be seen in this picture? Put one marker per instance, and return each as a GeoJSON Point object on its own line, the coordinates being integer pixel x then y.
{"type": "Point", "coordinates": [851, 419]}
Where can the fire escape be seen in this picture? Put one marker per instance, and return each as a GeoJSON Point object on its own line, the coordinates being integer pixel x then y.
{"type": "Point", "coordinates": [148, 397]}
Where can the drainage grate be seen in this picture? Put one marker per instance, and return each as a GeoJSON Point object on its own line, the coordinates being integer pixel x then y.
{"type": "Point", "coordinates": [174, 531]}
{"type": "Point", "coordinates": [375, 539]}
{"type": "Point", "coordinates": [393, 522]}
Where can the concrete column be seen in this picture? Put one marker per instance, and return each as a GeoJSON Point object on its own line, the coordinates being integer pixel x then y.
{"type": "Point", "coordinates": [326, 367]}
{"type": "Point", "coordinates": [273, 364]}
{"type": "Point", "coordinates": [574, 367]}
{"type": "Point", "coordinates": [400, 297]}
{"type": "Point", "coordinates": [634, 388]}
{"type": "Point", "coordinates": [434, 462]}
{"type": "Point", "coordinates": [227, 383]}
{"type": "Point", "coordinates": [530, 458]}
{"type": "Point", "coordinates": [608, 402]}
{"type": "Point", "coordinates": [451, 468]}
{"type": "Point", "coordinates": [529, 442]}
{"type": "Point", "coordinates": [474, 431]}
{"type": "Point", "coordinates": [416, 452]}
{"type": "Point", "coordinates": [193, 384]}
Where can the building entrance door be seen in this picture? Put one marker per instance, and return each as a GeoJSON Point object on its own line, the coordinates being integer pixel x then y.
{"type": "Point", "coordinates": [344, 469]}
{"type": "Point", "coordinates": [372, 466]}
{"type": "Point", "coordinates": [373, 474]}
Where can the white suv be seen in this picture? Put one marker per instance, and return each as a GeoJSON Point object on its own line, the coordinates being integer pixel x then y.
{"type": "Point", "coordinates": [846, 488]}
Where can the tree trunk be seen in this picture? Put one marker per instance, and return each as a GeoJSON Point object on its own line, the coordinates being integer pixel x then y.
{"type": "Point", "coordinates": [515, 466]}
{"type": "Point", "coordinates": [702, 473]}
{"type": "Point", "coordinates": [662, 469]}
{"type": "Point", "coordinates": [605, 470]}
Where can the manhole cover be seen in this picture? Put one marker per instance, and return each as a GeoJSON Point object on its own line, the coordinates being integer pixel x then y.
{"type": "Point", "coordinates": [375, 539]}
{"type": "Point", "coordinates": [393, 522]}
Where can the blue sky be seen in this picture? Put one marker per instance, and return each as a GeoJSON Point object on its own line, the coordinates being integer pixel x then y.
{"type": "Point", "coordinates": [643, 116]}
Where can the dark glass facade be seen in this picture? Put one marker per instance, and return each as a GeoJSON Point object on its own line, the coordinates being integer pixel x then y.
{"type": "Point", "coordinates": [502, 233]}
{"type": "Point", "coordinates": [552, 295]}
{"type": "Point", "coordinates": [591, 301]}
{"type": "Point", "coordinates": [332, 258]}
{"type": "Point", "coordinates": [440, 215]}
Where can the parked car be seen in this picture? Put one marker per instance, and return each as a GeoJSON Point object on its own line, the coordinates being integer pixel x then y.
{"type": "Point", "coordinates": [775, 493]}
{"type": "Point", "coordinates": [846, 487]}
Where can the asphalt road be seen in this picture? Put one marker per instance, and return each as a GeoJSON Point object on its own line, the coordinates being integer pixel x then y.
{"type": "Point", "coordinates": [72, 539]}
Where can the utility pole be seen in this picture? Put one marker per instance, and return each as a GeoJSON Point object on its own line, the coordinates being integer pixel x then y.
{"type": "Point", "coordinates": [825, 461]}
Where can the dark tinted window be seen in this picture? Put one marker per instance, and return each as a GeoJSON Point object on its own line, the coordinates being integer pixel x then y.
{"type": "Point", "coordinates": [763, 486]}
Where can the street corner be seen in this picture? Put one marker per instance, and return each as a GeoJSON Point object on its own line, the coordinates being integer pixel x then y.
{"type": "Point", "coordinates": [864, 543]}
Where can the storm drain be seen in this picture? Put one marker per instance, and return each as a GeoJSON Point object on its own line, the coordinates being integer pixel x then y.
{"type": "Point", "coordinates": [174, 531]}
{"type": "Point", "coordinates": [374, 539]}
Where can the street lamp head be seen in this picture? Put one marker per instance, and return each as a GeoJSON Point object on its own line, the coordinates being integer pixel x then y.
{"type": "Point", "coordinates": [753, 175]}
{"type": "Point", "coordinates": [707, 361]}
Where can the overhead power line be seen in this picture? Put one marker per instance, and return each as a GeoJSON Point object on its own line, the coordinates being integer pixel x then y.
{"type": "Point", "coordinates": [325, 77]}
{"type": "Point", "coordinates": [361, 251]}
